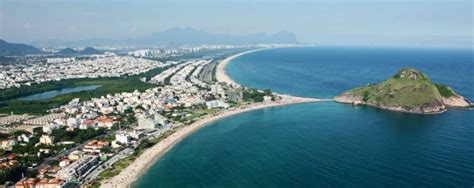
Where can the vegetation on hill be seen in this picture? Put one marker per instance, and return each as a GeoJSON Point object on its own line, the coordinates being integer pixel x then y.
{"type": "Point", "coordinates": [409, 90]}
{"type": "Point", "coordinates": [445, 91]}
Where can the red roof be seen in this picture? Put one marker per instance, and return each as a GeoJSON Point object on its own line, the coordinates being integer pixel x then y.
{"type": "Point", "coordinates": [10, 156]}
{"type": "Point", "coordinates": [49, 182]}
{"type": "Point", "coordinates": [89, 122]}
{"type": "Point", "coordinates": [103, 119]}
{"type": "Point", "coordinates": [26, 183]}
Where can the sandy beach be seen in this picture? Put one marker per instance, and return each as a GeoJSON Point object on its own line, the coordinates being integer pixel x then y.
{"type": "Point", "coordinates": [221, 76]}
{"type": "Point", "coordinates": [143, 162]}
{"type": "Point", "coordinates": [149, 156]}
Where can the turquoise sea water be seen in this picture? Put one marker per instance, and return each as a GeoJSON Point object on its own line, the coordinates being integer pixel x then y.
{"type": "Point", "coordinates": [329, 144]}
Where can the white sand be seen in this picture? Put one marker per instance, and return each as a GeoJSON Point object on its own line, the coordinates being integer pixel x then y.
{"type": "Point", "coordinates": [221, 76]}
{"type": "Point", "coordinates": [128, 175]}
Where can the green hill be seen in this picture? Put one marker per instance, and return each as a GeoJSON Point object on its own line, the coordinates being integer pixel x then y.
{"type": "Point", "coordinates": [408, 91]}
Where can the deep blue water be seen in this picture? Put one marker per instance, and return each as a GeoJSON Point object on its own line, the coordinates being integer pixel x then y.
{"type": "Point", "coordinates": [56, 92]}
{"type": "Point", "coordinates": [326, 72]}
{"type": "Point", "coordinates": [329, 144]}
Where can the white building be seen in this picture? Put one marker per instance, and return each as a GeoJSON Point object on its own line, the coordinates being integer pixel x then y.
{"type": "Point", "coordinates": [145, 122]}
{"type": "Point", "coordinates": [49, 128]}
{"type": "Point", "coordinates": [267, 98]}
{"type": "Point", "coordinates": [46, 139]}
{"type": "Point", "coordinates": [60, 60]}
{"type": "Point", "coordinates": [73, 122]}
{"type": "Point", "coordinates": [151, 121]}
{"type": "Point", "coordinates": [78, 168]}
{"type": "Point", "coordinates": [122, 138]}
{"type": "Point", "coordinates": [216, 104]}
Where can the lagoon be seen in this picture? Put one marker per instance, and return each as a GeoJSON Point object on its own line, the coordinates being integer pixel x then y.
{"type": "Point", "coordinates": [56, 92]}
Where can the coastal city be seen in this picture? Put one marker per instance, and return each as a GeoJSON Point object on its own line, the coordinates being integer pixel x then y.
{"type": "Point", "coordinates": [236, 93]}
{"type": "Point", "coordinates": [94, 141]}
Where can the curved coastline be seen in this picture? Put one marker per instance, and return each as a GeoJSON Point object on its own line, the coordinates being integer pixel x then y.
{"type": "Point", "coordinates": [221, 75]}
{"type": "Point", "coordinates": [132, 172]}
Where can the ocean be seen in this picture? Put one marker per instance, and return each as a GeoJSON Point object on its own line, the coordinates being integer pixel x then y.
{"type": "Point", "coordinates": [329, 144]}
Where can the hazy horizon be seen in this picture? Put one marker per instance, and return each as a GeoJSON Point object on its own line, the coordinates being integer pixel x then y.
{"type": "Point", "coordinates": [368, 22]}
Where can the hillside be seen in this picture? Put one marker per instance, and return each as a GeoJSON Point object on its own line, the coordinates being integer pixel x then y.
{"type": "Point", "coordinates": [67, 51]}
{"type": "Point", "coordinates": [89, 51]}
{"type": "Point", "coordinates": [85, 51]}
{"type": "Point", "coordinates": [13, 49]}
{"type": "Point", "coordinates": [407, 91]}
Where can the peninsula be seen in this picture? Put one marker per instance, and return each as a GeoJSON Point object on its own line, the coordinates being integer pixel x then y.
{"type": "Point", "coordinates": [408, 91]}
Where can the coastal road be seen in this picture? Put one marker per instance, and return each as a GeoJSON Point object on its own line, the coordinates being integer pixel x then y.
{"type": "Point", "coordinates": [66, 152]}
{"type": "Point", "coordinates": [100, 168]}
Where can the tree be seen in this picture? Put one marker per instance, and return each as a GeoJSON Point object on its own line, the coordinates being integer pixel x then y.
{"type": "Point", "coordinates": [106, 149]}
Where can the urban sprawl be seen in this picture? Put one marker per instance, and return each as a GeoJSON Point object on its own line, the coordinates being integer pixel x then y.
{"type": "Point", "coordinates": [84, 142]}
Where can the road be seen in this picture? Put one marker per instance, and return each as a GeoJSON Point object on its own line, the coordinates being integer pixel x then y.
{"type": "Point", "coordinates": [64, 153]}
{"type": "Point", "coordinates": [100, 168]}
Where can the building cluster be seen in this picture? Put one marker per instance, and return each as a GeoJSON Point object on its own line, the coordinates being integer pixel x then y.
{"type": "Point", "coordinates": [78, 168]}
{"type": "Point", "coordinates": [60, 59]}
{"type": "Point", "coordinates": [181, 50]}
{"type": "Point", "coordinates": [13, 119]}
{"type": "Point", "coordinates": [40, 183]}
{"type": "Point", "coordinates": [152, 53]}
{"type": "Point", "coordinates": [155, 111]}
{"type": "Point", "coordinates": [55, 69]}
{"type": "Point", "coordinates": [161, 78]}
{"type": "Point", "coordinates": [183, 75]}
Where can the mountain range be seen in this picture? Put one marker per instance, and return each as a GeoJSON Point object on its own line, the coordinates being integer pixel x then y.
{"type": "Point", "coordinates": [14, 49]}
{"type": "Point", "coordinates": [170, 37]}
{"type": "Point", "coordinates": [85, 51]}
{"type": "Point", "coordinates": [181, 36]}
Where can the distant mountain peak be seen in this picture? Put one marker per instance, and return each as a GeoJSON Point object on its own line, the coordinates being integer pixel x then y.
{"type": "Point", "coordinates": [185, 36]}
{"type": "Point", "coordinates": [85, 51]}
{"type": "Point", "coordinates": [14, 49]}
{"type": "Point", "coordinates": [90, 51]}
{"type": "Point", "coordinates": [188, 35]}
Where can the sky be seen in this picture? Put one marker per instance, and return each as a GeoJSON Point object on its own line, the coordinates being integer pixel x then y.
{"type": "Point", "coordinates": [435, 23]}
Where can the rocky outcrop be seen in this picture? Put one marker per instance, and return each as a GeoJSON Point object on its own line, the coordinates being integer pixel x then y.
{"type": "Point", "coordinates": [456, 101]}
{"type": "Point", "coordinates": [428, 108]}
{"type": "Point", "coordinates": [349, 99]}
{"type": "Point", "coordinates": [407, 91]}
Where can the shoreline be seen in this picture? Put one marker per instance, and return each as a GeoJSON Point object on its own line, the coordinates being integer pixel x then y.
{"type": "Point", "coordinates": [141, 164]}
{"type": "Point", "coordinates": [390, 109]}
{"type": "Point", "coordinates": [221, 75]}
